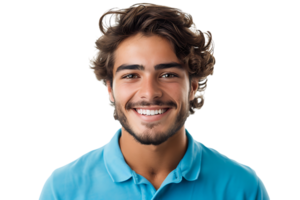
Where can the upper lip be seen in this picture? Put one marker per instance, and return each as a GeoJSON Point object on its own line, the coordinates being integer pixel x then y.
{"type": "Point", "coordinates": [151, 107]}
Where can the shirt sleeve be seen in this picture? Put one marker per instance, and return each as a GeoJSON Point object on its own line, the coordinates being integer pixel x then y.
{"type": "Point", "coordinates": [48, 192]}
{"type": "Point", "coordinates": [261, 193]}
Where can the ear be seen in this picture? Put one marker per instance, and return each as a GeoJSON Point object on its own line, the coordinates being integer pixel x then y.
{"type": "Point", "coordinates": [194, 88]}
{"type": "Point", "coordinates": [110, 91]}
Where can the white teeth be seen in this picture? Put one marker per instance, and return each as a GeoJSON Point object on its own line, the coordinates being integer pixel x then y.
{"type": "Point", "coordinates": [151, 112]}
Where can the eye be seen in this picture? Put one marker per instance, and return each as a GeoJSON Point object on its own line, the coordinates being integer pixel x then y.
{"type": "Point", "coordinates": [174, 75]}
{"type": "Point", "coordinates": [124, 77]}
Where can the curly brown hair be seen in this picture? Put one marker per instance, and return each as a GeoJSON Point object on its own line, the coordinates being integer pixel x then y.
{"type": "Point", "coordinates": [191, 47]}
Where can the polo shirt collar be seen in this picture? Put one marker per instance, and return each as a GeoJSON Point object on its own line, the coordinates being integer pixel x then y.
{"type": "Point", "coordinates": [189, 167]}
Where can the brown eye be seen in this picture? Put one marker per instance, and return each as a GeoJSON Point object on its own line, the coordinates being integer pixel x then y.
{"type": "Point", "coordinates": [168, 76]}
{"type": "Point", "coordinates": [174, 75]}
{"type": "Point", "coordinates": [124, 77]}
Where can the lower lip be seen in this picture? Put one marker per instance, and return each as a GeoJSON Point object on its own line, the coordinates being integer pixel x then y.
{"type": "Point", "coordinates": [151, 118]}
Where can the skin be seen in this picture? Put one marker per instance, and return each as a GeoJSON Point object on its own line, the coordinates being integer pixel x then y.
{"type": "Point", "coordinates": [131, 87]}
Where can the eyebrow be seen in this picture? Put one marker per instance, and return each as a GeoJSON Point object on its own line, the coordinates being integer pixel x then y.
{"type": "Point", "coordinates": [156, 67]}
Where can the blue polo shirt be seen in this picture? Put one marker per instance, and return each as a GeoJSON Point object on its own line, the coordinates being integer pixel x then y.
{"type": "Point", "coordinates": [203, 173]}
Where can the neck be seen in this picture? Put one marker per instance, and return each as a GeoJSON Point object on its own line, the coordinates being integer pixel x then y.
{"type": "Point", "coordinates": [153, 162]}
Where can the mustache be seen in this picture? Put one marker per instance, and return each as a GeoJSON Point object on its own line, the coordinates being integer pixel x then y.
{"type": "Point", "coordinates": [154, 104]}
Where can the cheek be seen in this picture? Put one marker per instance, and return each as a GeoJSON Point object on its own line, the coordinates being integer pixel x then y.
{"type": "Point", "coordinates": [176, 92]}
{"type": "Point", "coordinates": [123, 93]}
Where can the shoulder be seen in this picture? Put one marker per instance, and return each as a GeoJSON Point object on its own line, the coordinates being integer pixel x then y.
{"type": "Point", "coordinates": [64, 181]}
{"type": "Point", "coordinates": [232, 178]}
{"type": "Point", "coordinates": [81, 165]}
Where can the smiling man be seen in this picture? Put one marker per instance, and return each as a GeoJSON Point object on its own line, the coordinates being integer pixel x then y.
{"type": "Point", "coordinates": [151, 92]}
{"type": "Point", "coordinates": [153, 64]}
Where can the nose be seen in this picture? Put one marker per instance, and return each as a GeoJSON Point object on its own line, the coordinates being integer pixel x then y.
{"type": "Point", "coordinates": [150, 89]}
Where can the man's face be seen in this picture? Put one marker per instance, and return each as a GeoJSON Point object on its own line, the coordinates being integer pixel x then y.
{"type": "Point", "coordinates": [150, 89]}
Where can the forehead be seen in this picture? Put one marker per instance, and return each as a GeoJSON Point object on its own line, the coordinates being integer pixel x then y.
{"type": "Point", "coordinates": [144, 50]}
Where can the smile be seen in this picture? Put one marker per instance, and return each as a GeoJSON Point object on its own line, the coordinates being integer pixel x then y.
{"type": "Point", "coordinates": [151, 114]}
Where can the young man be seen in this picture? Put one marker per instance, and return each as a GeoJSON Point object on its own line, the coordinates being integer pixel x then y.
{"type": "Point", "coordinates": [153, 65]}
{"type": "Point", "coordinates": [152, 146]}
